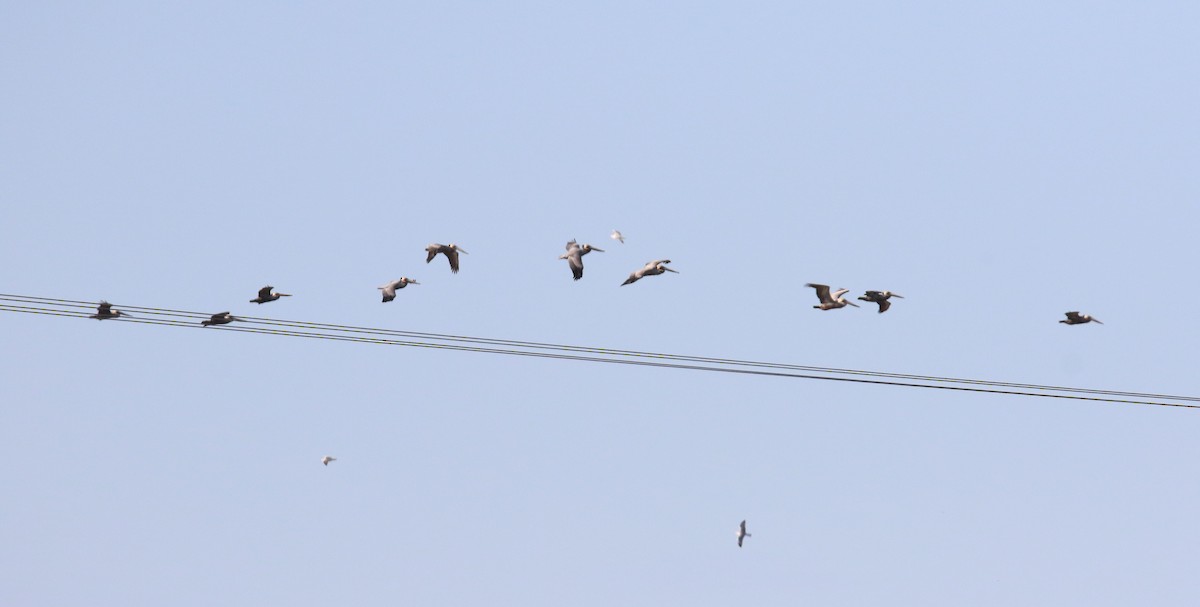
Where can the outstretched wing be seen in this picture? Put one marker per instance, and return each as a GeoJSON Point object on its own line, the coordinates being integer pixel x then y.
{"type": "Point", "coordinates": [822, 292]}
{"type": "Point", "coordinates": [265, 292]}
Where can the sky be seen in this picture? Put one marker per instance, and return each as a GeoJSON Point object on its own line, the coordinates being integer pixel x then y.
{"type": "Point", "coordinates": [997, 164]}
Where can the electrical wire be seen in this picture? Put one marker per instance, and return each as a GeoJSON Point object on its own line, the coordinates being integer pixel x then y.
{"type": "Point", "coordinates": [267, 326]}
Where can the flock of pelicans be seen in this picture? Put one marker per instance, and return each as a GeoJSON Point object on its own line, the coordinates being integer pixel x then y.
{"type": "Point", "coordinates": [829, 300]}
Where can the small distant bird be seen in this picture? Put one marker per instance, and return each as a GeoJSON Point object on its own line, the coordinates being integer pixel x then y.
{"type": "Point", "coordinates": [451, 252]}
{"type": "Point", "coordinates": [389, 290]}
{"type": "Point", "coordinates": [881, 298]}
{"type": "Point", "coordinates": [265, 295]}
{"type": "Point", "coordinates": [574, 257]}
{"type": "Point", "coordinates": [831, 302]}
{"type": "Point", "coordinates": [1075, 318]}
{"type": "Point", "coordinates": [104, 311]}
{"type": "Point", "coordinates": [328, 458]}
{"type": "Point", "coordinates": [741, 533]}
{"type": "Point", "coordinates": [616, 235]}
{"type": "Point", "coordinates": [652, 268]}
{"type": "Point", "coordinates": [223, 318]}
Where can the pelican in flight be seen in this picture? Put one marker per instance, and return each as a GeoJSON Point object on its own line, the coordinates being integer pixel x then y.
{"type": "Point", "coordinates": [328, 458]}
{"type": "Point", "coordinates": [831, 302]}
{"type": "Point", "coordinates": [265, 295]}
{"type": "Point", "coordinates": [652, 268]}
{"type": "Point", "coordinates": [104, 311]}
{"type": "Point", "coordinates": [451, 252]}
{"type": "Point", "coordinates": [223, 318]}
{"type": "Point", "coordinates": [574, 257]}
{"type": "Point", "coordinates": [389, 290]}
{"type": "Point", "coordinates": [616, 235]}
{"type": "Point", "coordinates": [1075, 318]}
{"type": "Point", "coordinates": [741, 533]}
{"type": "Point", "coordinates": [881, 298]}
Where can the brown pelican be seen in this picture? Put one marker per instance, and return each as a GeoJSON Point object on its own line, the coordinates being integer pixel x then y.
{"type": "Point", "coordinates": [265, 295]}
{"type": "Point", "coordinates": [328, 458]}
{"type": "Point", "coordinates": [616, 235]}
{"type": "Point", "coordinates": [652, 268]}
{"type": "Point", "coordinates": [831, 302]}
{"type": "Point", "coordinates": [881, 298]}
{"type": "Point", "coordinates": [451, 252]}
{"type": "Point", "coordinates": [741, 533]}
{"type": "Point", "coordinates": [104, 312]}
{"type": "Point", "coordinates": [389, 290]}
{"type": "Point", "coordinates": [1075, 318]}
{"type": "Point", "coordinates": [574, 257]}
{"type": "Point", "coordinates": [223, 318]}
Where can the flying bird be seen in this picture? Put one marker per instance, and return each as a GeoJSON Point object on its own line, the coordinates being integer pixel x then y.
{"type": "Point", "coordinates": [223, 318]}
{"type": "Point", "coordinates": [741, 533]}
{"type": "Point", "coordinates": [574, 257]}
{"type": "Point", "coordinates": [881, 298]}
{"type": "Point", "coordinates": [616, 235]}
{"type": "Point", "coordinates": [389, 290]}
{"type": "Point", "coordinates": [652, 268]}
{"type": "Point", "coordinates": [451, 252]}
{"type": "Point", "coordinates": [104, 311]}
{"type": "Point", "coordinates": [831, 302]}
{"type": "Point", "coordinates": [265, 295]}
{"type": "Point", "coordinates": [328, 458]}
{"type": "Point", "coordinates": [1075, 318]}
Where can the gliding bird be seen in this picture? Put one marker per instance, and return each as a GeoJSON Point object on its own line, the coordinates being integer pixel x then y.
{"type": "Point", "coordinates": [451, 252]}
{"type": "Point", "coordinates": [328, 458]}
{"type": "Point", "coordinates": [741, 533]}
{"type": "Point", "coordinates": [1075, 318]}
{"type": "Point", "coordinates": [389, 290]}
{"type": "Point", "coordinates": [222, 318]}
{"type": "Point", "coordinates": [104, 312]}
{"type": "Point", "coordinates": [574, 257]}
{"type": "Point", "coordinates": [265, 295]}
{"type": "Point", "coordinates": [616, 235]}
{"type": "Point", "coordinates": [881, 298]}
{"type": "Point", "coordinates": [831, 302]}
{"type": "Point", "coordinates": [652, 268]}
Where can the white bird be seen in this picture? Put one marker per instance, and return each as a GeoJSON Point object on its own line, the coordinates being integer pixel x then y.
{"type": "Point", "coordinates": [265, 295]}
{"type": "Point", "coordinates": [328, 458]}
{"type": "Point", "coordinates": [831, 302]}
{"type": "Point", "coordinates": [451, 252]}
{"type": "Point", "coordinates": [881, 298]}
{"type": "Point", "coordinates": [389, 290]}
{"type": "Point", "coordinates": [104, 311]}
{"type": "Point", "coordinates": [222, 318]}
{"type": "Point", "coordinates": [741, 533]}
{"type": "Point", "coordinates": [574, 257]}
{"type": "Point", "coordinates": [616, 235]}
{"type": "Point", "coordinates": [652, 268]}
{"type": "Point", "coordinates": [1075, 318]}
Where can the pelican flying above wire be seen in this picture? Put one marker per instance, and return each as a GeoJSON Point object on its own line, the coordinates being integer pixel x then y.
{"type": "Point", "coordinates": [222, 318]}
{"type": "Point", "coordinates": [652, 268]}
{"type": "Point", "coordinates": [881, 298]}
{"type": "Point", "coordinates": [104, 311]}
{"type": "Point", "coordinates": [1075, 318]}
{"type": "Point", "coordinates": [831, 302]}
{"type": "Point", "coordinates": [389, 290]}
{"type": "Point", "coordinates": [265, 295]}
{"type": "Point", "coordinates": [574, 257]}
{"type": "Point", "coordinates": [451, 252]}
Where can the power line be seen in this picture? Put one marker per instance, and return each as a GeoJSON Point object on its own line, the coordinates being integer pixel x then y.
{"type": "Point", "coordinates": [608, 351]}
{"type": "Point", "coordinates": [311, 330]}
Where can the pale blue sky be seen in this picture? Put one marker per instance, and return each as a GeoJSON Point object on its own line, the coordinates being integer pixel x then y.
{"type": "Point", "coordinates": [996, 163]}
